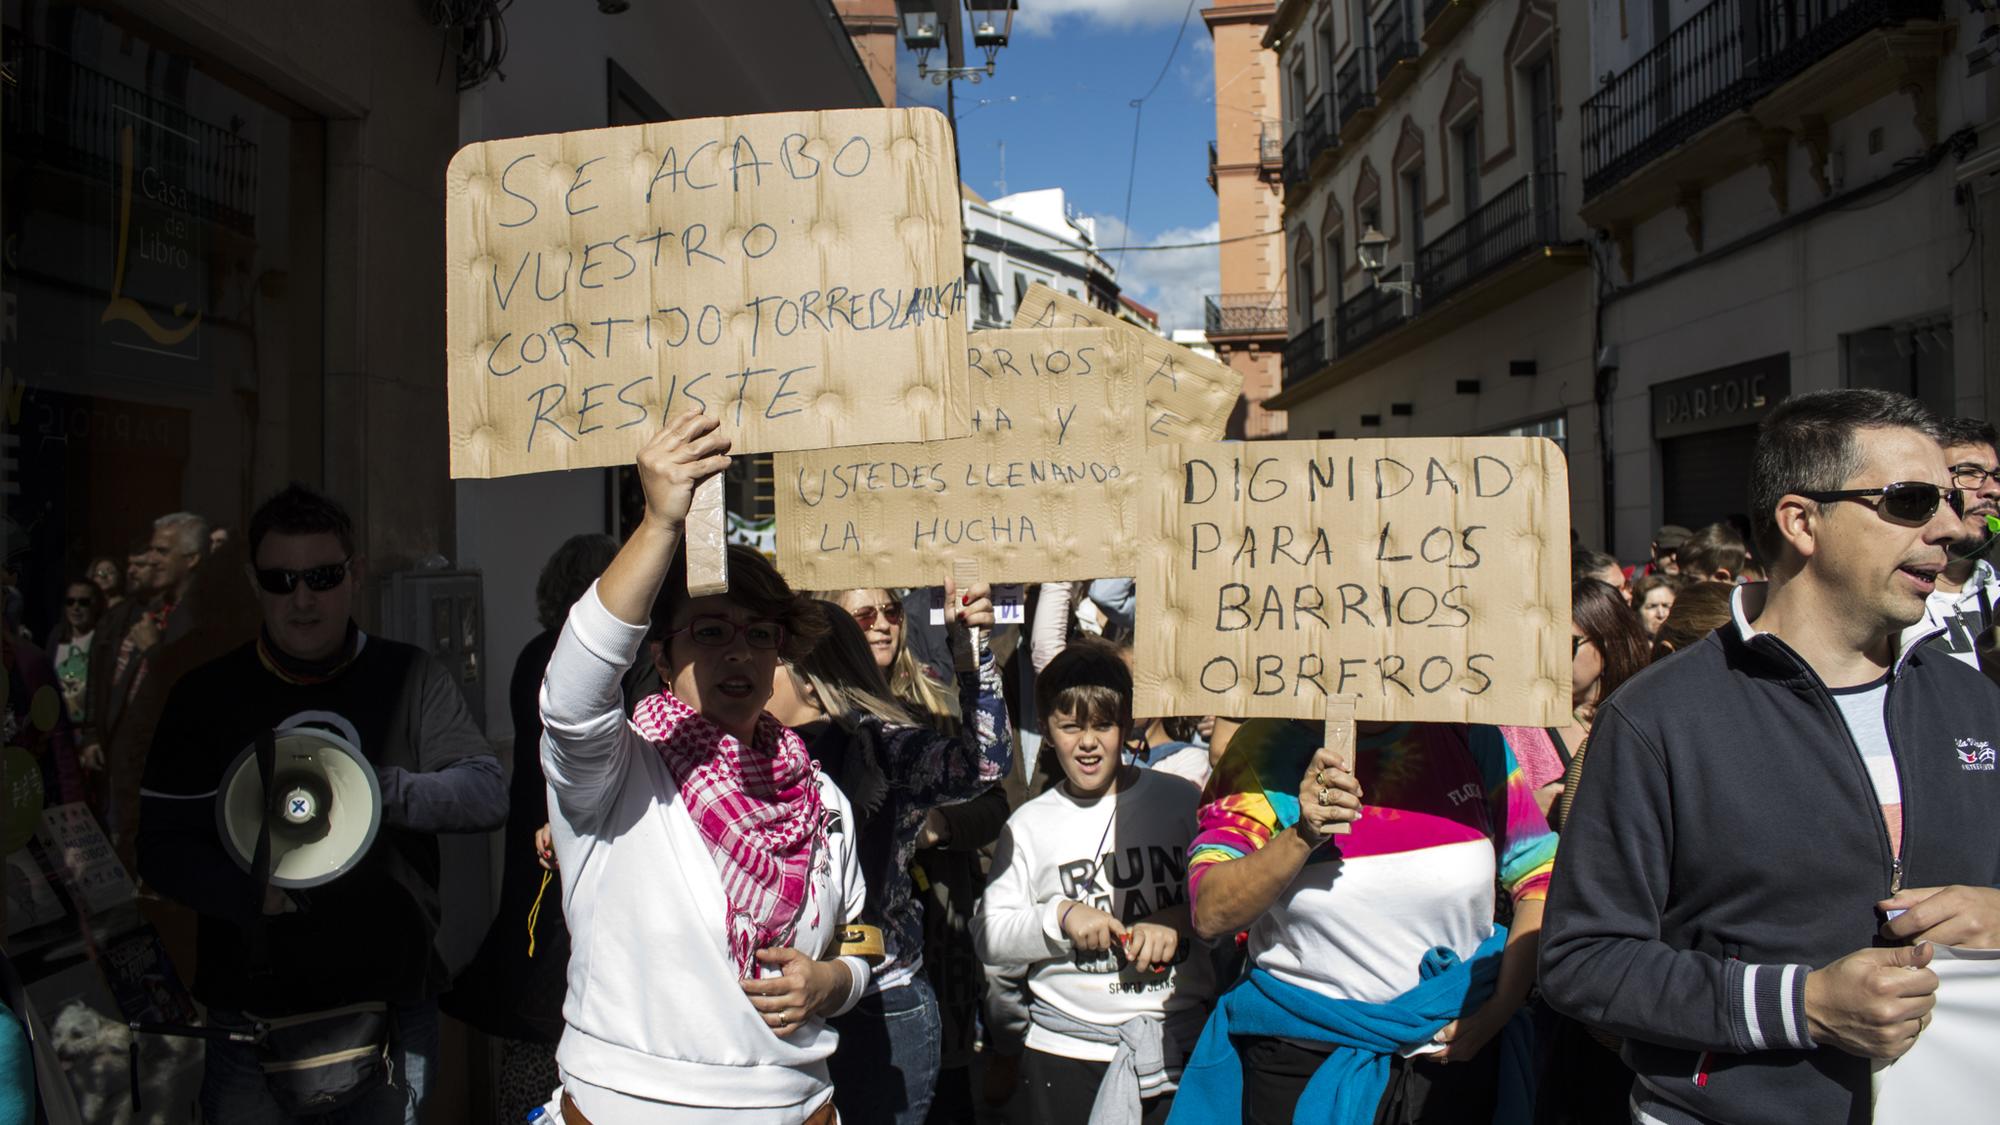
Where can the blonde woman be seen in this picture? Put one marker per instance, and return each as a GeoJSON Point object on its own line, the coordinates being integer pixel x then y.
{"type": "Point", "coordinates": [880, 614]}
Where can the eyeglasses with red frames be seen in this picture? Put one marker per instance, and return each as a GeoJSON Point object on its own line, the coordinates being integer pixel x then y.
{"type": "Point", "coordinates": [891, 613]}
{"type": "Point", "coordinates": [710, 631]}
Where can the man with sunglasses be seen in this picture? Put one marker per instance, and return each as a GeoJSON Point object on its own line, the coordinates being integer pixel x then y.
{"type": "Point", "coordinates": [1775, 824]}
{"type": "Point", "coordinates": [1968, 589]}
{"type": "Point", "coordinates": [367, 936]}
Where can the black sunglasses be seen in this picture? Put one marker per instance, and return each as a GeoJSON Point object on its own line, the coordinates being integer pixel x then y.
{"type": "Point", "coordinates": [1906, 501]}
{"type": "Point", "coordinates": [76, 601]}
{"type": "Point", "coordinates": [319, 579]}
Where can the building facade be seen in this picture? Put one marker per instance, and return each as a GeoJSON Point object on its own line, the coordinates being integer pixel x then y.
{"type": "Point", "coordinates": [1634, 238]}
{"type": "Point", "coordinates": [1438, 124]}
{"type": "Point", "coordinates": [1016, 241]}
{"type": "Point", "coordinates": [1790, 198]}
{"type": "Point", "coordinates": [1246, 321]}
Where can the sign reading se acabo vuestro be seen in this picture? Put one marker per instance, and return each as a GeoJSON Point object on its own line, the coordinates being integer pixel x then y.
{"type": "Point", "coordinates": [1427, 578]}
{"type": "Point", "coordinates": [797, 275]}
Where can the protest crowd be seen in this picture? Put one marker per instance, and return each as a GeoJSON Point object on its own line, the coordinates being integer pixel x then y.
{"type": "Point", "coordinates": [877, 855]}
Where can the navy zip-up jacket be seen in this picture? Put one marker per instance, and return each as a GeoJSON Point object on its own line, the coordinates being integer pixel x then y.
{"type": "Point", "coordinates": [1726, 840]}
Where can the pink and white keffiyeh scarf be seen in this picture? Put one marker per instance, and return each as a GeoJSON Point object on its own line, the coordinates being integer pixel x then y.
{"type": "Point", "coordinates": [757, 807]}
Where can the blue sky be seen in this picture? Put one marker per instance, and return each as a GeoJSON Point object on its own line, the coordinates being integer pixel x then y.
{"type": "Point", "coordinates": [1060, 102]}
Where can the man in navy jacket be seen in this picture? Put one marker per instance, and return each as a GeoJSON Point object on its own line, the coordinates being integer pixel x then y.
{"type": "Point", "coordinates": [1775, 822]}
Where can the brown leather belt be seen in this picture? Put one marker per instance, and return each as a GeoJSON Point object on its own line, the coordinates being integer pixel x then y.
{"type": "Point", "coordinates": [574, 1116]}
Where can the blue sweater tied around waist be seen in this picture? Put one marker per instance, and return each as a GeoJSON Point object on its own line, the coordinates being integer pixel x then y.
{"type": "Point", "coordinates": [1349, 1084]}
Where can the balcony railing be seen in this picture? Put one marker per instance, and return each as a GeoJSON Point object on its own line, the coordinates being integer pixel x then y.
{"type": "Point", "coordinates": [1270, 146]}
{"type": "Point", "coordinates": [1211, 164]}
{"type": "Point", "coordinates": [1363, 317]}
{"type": "Point", "coordinates": [1519, 218]}
{"type": "Point", "coordinates": [1244, 314]}
{"type": "Point", "coordinates": [1318, 128]}
{"type": "Point", "coordinates": [1296, 159]}
{"type": "Point", "coordinates": [1434, 8]}
{"type": "Point", "coordinates": [1394, 40]}
{"type": "Point", "coordinates": [1354, 89]}
{"type": "Point", "coordinates": [73, 116]}
{"type": "Point", "coordinates": [1305, 353]}
{"type": "Point", "coordinates": [1724, 57]}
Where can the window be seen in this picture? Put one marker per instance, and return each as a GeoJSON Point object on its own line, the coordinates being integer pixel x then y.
{"type": "Point", "coordinates": [1304, 300]}
{"type": "Point", "coordinates": [1413, 201]}
{"type": "Point", "coordinates": [1021, 283]}
{"type": "Point", "coordinates": [1299, 92]}
{"type": "Point", "coordinates": [1334, 263]}
{"type": "Point", "coordinates": [1465, 141]}
{"type": "Point", "coordinates": [1554, 427]}
{"type": "Point", "coordinates": [1542, 115]}
{"type": "Point", "coordinates": [1326, 55]}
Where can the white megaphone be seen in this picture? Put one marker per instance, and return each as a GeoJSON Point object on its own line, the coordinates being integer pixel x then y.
{"type": "Point", "coordinates": [310, 804]}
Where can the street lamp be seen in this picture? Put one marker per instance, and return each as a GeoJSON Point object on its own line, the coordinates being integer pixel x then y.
{"type": "Point", "coordinates": [929, 24]}
{"type": "Point", "coordinates": [920, 26]}
{"type": "Point", "coordinates": [1372, 251]}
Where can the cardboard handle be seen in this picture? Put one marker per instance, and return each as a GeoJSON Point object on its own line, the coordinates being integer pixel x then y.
{"type": "Point", "coordinates": [964, 576]}
{"type": "Point", "coordinates": [1340, 738]}
{"type": "Point", "coordinates": [707, 540]}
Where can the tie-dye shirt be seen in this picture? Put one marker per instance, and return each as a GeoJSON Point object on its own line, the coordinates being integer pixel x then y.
{"type": "Point", "coordinates": [1446, 814]}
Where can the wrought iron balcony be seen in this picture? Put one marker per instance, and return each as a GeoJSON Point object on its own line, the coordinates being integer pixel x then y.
{"type": "Point", "coordinates": [77, 118]}
{"type": "Point", "coordinates": [1394, 39]}
{"type": "Point", "coordinates": [1433, 9]}
{"type": "Point", "coordinates": [1245, 314]}
{"type": "Point", "coordinates": [1518, 221]}
{"type": "Point", "coordinates": [1211, 166]}
{"type": "Point", "coordinates": [1317, 127]}
{"type": "Point", "coordinates": [1722, 59]}
{"type": "Point", "coordinates": [1365, 316]}
{"type": "Point", "coordinates": [1354, 88]}
{"type": "Point", "coordinates": [1520, 218]}
{"type": "Point", "coordinates": [1270, 147]}
{"type": "Point", "coordinates": [1305, 353]}
{"type": "Point", "coordinates": [1297, 158]}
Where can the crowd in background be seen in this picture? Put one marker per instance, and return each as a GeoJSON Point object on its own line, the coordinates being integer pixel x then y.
{"type": "Point", "coordinates": [1085, 914]}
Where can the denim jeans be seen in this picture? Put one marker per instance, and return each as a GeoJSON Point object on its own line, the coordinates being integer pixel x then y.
{"type": "Point", "coordinates": [886, 1066]}
{"type": "Point", "coordinates": [233, 1089]}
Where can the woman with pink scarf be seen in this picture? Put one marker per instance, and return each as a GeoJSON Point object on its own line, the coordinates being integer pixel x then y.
{"type": "Point", "coordinates": [708, 868]}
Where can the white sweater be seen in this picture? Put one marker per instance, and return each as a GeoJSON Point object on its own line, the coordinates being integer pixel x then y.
{"type": "Point", "coordinates": [654, 1009]}
{"type": "Point", "coordinates": [1052, 849]}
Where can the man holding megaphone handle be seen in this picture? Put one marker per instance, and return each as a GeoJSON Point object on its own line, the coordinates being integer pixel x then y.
{"type": "Point", "coordinates": [270, 960]}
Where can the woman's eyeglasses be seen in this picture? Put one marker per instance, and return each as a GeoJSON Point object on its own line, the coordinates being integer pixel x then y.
{"type": "Point", "coordinates": [318, 579]}
{"type": "Point", "coordinates": [1906, 501]}
{"type": "Point", "coordinates": [717, 632]}
{"type": "Point", "coordinates": [890, 613]}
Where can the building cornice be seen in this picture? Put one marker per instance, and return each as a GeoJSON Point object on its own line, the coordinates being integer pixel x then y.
{"type": "Point", "coordinates": [1239, 13]}
{"type": "Point", "coordinates": [1289, 13]}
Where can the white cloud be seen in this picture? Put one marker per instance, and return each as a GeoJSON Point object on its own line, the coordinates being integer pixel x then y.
{"type": "Point", "coordinates": [1171, 282]}
{"type": "Point", "coordinates": [1042, 17]}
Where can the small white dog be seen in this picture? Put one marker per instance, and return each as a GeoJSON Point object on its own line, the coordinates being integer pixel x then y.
{"type": "Point", "coordinates": [96, 1054]}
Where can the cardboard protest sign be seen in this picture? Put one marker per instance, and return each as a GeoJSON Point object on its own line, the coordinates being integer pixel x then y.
{"type": "Point", "coordinates": [1428, 578]}
{"type": "Point", "coordinates": [798, 275]}
{"type": "Point", "coordinates": [1044, 489]}
{"type": "Point", "coordinates": [1189, 397]}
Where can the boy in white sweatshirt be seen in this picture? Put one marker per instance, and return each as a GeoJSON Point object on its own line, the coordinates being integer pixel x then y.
{"type": "Point", "coordinates": [1089, 895]}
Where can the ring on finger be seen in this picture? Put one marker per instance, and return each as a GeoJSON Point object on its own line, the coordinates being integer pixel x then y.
{"type": "Point", "coordinates": [1322, 795]}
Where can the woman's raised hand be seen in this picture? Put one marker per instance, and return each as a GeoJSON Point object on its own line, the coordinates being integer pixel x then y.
{"type": "Point", "coordinates": [684, 453]}
{"type": "Point", "coordinates": [971, 608]}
